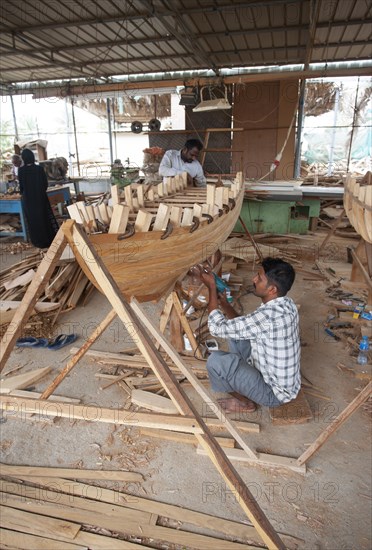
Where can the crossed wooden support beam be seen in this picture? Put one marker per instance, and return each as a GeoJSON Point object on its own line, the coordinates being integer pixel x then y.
{"type": "Point", "coordinates": [190, 420]}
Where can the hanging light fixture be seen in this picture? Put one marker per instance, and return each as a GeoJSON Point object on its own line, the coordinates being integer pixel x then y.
{"type": "Point", "coordinates": [214, 103]}
{"type": "Point", "coordinates": [188, 96]}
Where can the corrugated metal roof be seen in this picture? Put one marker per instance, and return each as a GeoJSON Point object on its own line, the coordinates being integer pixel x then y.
{"type": "Point", "coordinates": [95, 40]}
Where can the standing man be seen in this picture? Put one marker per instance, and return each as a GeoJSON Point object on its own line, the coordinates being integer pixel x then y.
{"type": "Point", "coordinates": [175, 162]}
{"type": "Point", "coordinates": [262, 365]}
{"type": "Point", "coordinates": [16, 164]}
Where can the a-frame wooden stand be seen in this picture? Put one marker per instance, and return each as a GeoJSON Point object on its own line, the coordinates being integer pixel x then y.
{"type": "Point", "coordinates": [70, 233]}
{"type": "Point", "coordinates": [175, 314]}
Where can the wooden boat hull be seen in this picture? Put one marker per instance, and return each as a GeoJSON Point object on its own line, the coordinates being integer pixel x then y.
{"type": "Point", "coordinates": [358, 207]}
{"type": "Point", "coordinates": [147, 267]}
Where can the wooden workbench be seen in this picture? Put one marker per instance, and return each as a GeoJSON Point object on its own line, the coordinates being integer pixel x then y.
{"type": "Point", "coordinates": [10, 205]}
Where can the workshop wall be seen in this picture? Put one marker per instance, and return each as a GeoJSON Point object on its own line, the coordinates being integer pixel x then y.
{"type": "Point", "coordinates": [265, 111]}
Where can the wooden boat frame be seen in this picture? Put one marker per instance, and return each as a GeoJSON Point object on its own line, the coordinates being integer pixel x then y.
{"type": "Point", "coordinates": [166, 230]}
{"type": "Point", "coordinates": [358, 206]}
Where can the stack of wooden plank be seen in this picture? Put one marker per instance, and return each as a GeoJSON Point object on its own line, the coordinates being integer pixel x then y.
{"type": "Point", "coordinates": [67, 287]}
{"type": "Point", "coordinates": [91, 517]}
{"type": "Point", "coordinates": [10, 223]}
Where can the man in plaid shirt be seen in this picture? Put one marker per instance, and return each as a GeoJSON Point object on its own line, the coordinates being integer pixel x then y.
{"type": "Point", "coordinates": [263, 362]}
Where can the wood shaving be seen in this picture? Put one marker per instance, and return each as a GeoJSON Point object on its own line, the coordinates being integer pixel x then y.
{"type": "Point", "coordinates": [16, 248]}
{"type": "Point", "coordinates": [5, 445]}
{"type": "Point", "coordinates": [41, 326]}
{"type": "Point", "coordinates": [78, 464]}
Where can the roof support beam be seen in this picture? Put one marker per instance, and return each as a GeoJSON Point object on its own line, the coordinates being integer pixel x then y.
{"type": "Point", "coordinates": [121, 60]}
{"type": "Point", "coordinates": [184, 36]}
{"type": "Point", "coordinates": [142, 16]}
{"type": "Point", "coordinates": [40, 92]}
{"type": "Point", "coordinates": [11, 51]}
{"type": "Point", "coordinates": [83, 65]}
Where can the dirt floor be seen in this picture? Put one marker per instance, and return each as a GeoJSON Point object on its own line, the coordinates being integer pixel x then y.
{"type": "Point", "coordinates": [327, 508]}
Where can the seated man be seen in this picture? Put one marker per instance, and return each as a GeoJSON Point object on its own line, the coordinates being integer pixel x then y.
{"type": "Point", "coordinates": [175, 162]}
{"type": "Point", "coordinates": [263, 362]}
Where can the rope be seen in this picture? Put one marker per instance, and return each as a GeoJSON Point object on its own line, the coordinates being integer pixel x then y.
{"type": "Point", "coordinates": [278, 157]}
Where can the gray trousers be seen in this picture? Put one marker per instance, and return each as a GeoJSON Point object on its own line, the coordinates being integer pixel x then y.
{"type": "Point", "coordinates": [233, 372]}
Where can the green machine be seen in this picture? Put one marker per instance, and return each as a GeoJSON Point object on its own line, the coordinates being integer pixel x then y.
{"type": "Point", "coordinates": [278, 216]}
{"type": "Point", "coordinates": [123, 175]}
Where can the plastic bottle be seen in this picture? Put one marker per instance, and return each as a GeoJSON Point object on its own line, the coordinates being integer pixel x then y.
{"type": "Point", "coordinates": [363, 351]}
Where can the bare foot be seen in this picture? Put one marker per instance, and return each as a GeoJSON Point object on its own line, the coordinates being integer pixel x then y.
{"type": "Point", "coordinates": [231, 404]}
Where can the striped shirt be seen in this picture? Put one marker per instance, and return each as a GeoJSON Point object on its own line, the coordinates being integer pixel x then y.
{"type": "Point", "coordinates": [273, 331]}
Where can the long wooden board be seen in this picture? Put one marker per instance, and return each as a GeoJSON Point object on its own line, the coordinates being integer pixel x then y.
{"type": "Point", "coordinates": [83, 541]}
{"type": "Point", "coordinates": [69, 473]}
{"type": "Point", "coordinates": [37, 395]}
{"type": "Point", "coordinates": [19, 520]}
{"type": "Point", "coordinates": [188, 439]}
{"type": "Point", "coordinates": [18, 405]}
{"type": "Point", "coordinates": [15, 539]}
{"type": "Point", "coordinates": [273, 461]}
{"type": "Point", "coordinates": [62, 506]}
{"type": "Point", "coordinates": [101, 542]}
{"type": "Point", "coordinates": [23, 497]}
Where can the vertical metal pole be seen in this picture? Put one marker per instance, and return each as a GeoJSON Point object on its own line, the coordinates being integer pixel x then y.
{"type": "Point", "coordinates": [14, 118]}
{"type": "Point", "coordinates": [68, 140]}
{"type": "Point", "coordinates": [314, 15]}
{"type": "Point", "coordinates": [109, 129]}
{"type": "Point", "coordinates": [114, 131]}
{"type": "Point", "coordinates": [332, 147]}
{"type": "Point", "coordinates": [76, 144]}
{"type": "Point", "coordinates": [300, 122]}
